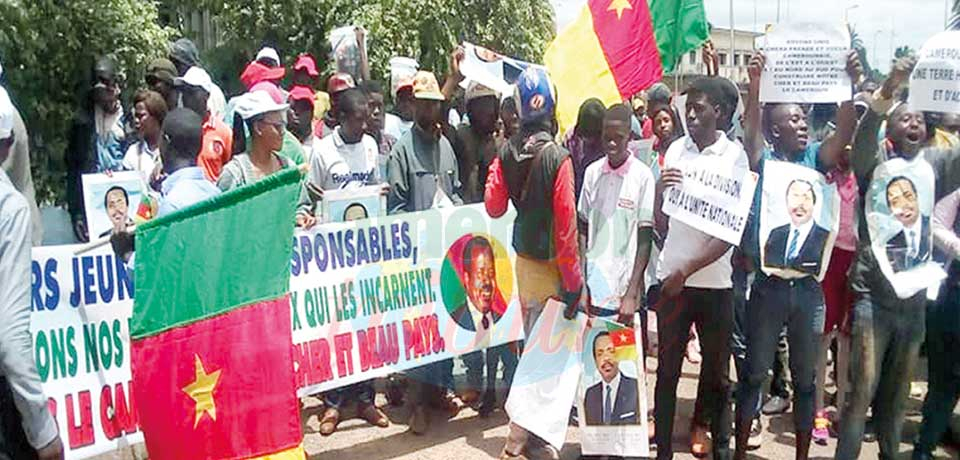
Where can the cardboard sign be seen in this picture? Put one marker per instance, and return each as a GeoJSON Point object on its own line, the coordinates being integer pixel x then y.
{"type": "Point", "coordinates": [935, 81]}
{"type": "Point", "coordinates": [806, 63]}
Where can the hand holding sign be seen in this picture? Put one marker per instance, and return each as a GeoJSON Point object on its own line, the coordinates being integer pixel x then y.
{"type": "Point", "coordinates": [806, 63]}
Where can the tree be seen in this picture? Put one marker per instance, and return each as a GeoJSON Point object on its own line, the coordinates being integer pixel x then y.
{"type": "Point", "coordinates": [48, 48]}
{"type": "Point", "coordinates": [422, 29]}
{"type": "Point", "coordinates": [903, 51]}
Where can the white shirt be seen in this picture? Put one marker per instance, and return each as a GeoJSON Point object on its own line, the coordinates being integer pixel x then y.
{"type": "Point", "coordinates": [801, 238]}
{"type": "Point", "coordinates": [615, 203]}
{"type": "Point", "coordinates": [140, 158]}
{"type": "Point", "coordinates": [334, 164]}
{"type": "Point", "coordinates": [395, 126]}
{"type": "Point", "coordinates": [217, 103]}
{"type": "Point", "coordinates": [683, 240]}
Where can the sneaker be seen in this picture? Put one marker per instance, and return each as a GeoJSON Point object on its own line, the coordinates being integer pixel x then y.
{"type": "Point", "coordinates": [821, 430]}
{"type": "Point", "coordinates": [756, 435]}
{"type": "Point", "coordinates": [693, 351]}
{"type": "Point", "coordinates": [916, 390]}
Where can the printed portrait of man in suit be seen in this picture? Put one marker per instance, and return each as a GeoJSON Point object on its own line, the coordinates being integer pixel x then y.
{"type": "Point", "coordinates": [911, 246]}
{"type": "Point", "coordinates": [478, 312]}
{"type": "Point", "coordinates": [798, 245]}
{"type": "Point", "coordinates": [613, 400]}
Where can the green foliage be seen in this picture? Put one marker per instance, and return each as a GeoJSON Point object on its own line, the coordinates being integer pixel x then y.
{"type": "Point", "coordinates": [48, 48]}
{"type": "Point", "coordinates": [425, 30]}
{"type": "Point", "coordinates": [903, 51]}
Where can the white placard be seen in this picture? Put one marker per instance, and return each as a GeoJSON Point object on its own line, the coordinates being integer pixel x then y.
{"type": "Point", "coordinates": [935, 82]}
{"type": "Point", "coordinates": [806, 63]}
{"type": "Point", "coordinates": [121, 205]}
{"type": "Point", "coordinates": [717, 202]}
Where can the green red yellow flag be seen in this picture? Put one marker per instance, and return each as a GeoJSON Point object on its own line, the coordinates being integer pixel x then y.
{"type": "Point", "coordinates": [616, 48]}
{"type": "Point", "coordinates": [210, 334]}
{"type": "Point", "coordinates": [624, 342]}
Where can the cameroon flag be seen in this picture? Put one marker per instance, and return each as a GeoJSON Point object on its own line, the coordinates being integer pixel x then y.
{"type": "Point", "coordinates": [624, 341]}
{"type": "Point", "coordinates": [616, 48]}
{"type": "Point", "coordinates": [210, 334]}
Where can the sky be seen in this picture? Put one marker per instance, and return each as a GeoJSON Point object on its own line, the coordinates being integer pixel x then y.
{"type": "Point", "coordinates": [912, 22]}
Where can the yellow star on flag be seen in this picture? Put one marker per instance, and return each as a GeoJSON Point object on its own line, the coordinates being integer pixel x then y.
{"type": "Point", "coordinates": [201, 390]}
{"type": "Point", "coordinates": [619, 6]}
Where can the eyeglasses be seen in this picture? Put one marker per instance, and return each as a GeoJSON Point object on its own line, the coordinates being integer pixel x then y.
{"type": "Point", "coordinates": [277, 125]}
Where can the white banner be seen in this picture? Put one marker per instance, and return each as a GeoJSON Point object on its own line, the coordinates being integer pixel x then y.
{"type": "Point", "coordinates": [81, 308]}
{"type": "Point", "coordinates": [935, 81]}
{"type": "Point", "coordinates": [716, 202]}
{"type": "Point", "coordinates": [383, 295]}
{"type": "Point", "coordinates": [806, 63]}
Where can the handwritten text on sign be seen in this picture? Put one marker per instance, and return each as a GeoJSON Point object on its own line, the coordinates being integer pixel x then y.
{"type": "Point", "coordinates": [935, 82]}
{"type": "Point", "coordinates": [806, 63]}
{"type": "Point", "coordinates": [716, 202]}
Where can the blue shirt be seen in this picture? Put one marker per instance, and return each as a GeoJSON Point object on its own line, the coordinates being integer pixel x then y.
{"type": "Point", "coordinates": [183, 188]}
{"type": "Point", "coordinates": [751, 239]}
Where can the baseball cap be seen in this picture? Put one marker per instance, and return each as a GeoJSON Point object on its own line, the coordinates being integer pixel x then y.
{"type": "Point", "coordinates": [340, 81]}
{"type": "Point", "coordinates": [273, 90]}
{"type": "Point", "coordinates": [425, 86]}
{"type": "Point", "coordinates": [476, 90]}
{"type": "Point", "coordinates": [162, 69]}
{"type": "Point", "coordinates": [185, 51]}
{"type": "Point", "coordinates": [6, 114]}
{"type": "Point", "coordinates": [255, 103]}
{"type": "Point", "coordinates": [197, 77]}
{"type": "Point", "coordinates": [534, 94]}
{"type": "Point", "coordinates": [268, 53]}
{"type": "Point", "coordinates": [404, 83]}
{"type": "Point", "coordinates": [301, 93]}
{"type": "Point", "coordinates": [256, 72]}
{"type": "Point", "coordinates": [307, 63]}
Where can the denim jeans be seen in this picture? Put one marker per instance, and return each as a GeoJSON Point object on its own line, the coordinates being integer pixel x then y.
{"type": "Point", "coordinates": [943, 343]}
{"type": "Point", "coordinates": [775, 302]}
{"type": "Point", "coordinates": [428, 381]}
{"type": "Point", "coordinates": [885, 344]}
{"type": "Point", "coordinates": [361, 392]}
{"type": "Point", "coordinates": [712, 312]}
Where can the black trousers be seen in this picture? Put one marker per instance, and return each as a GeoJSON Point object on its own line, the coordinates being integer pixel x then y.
{"type": "Point", "coordinates": [13, 441]}
{"type": "Point", "coordinates": [711, 310]}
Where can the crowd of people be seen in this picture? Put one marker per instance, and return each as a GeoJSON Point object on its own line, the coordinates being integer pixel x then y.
{"type": "Point", "coordinates": [711, 301]}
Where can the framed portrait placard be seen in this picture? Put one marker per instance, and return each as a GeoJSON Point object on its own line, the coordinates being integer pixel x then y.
{"type": "Point", "coordinates": [345, 205]}
{"type": "Point", "coordinates": [110, 199]}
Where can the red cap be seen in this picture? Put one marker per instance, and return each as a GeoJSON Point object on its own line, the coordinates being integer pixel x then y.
{"type": "Point", "coordinates": [301, 93]}
{"type": "Point", "coordinates": [257, 72]}
{"type": "Point", "coordinates": [306, 62]}
{"type": "Point", "coordinates": [338, 82]}
{"type": "Point", "coordinates": [405, 83]}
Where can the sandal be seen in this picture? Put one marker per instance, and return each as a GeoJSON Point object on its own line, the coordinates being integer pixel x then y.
{"type": "Point", "coordinates": [329, 421]}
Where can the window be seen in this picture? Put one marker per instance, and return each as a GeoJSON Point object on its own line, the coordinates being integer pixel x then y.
{"type": "Point", "coordinates": [693, 57]}
{"type": "Point", "coordinates": [736, 59]}
{"type": "Point", "coordinates": [723, 58]}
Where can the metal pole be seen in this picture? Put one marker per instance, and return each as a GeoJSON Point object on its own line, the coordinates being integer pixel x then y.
{"type": "Point", "coordinates": [732, 42]}
{"type": "Point", "coordinates": [778, 11]}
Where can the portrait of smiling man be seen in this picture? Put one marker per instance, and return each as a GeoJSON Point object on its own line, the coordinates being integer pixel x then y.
{"type": "Point", "coordinates": [799, 244]}
{"type": "Point", "coordinates": [613, 400]}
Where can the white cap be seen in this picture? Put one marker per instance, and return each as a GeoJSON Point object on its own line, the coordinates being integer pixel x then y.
{"type": "Point", "coordinates": [195, 76]}
{"type": "Point", "coordinates": [269, 53]}
{"type": "Point", "coordinates": [7, 114]}
{"type": "Point", "coordinates": [255, 103]}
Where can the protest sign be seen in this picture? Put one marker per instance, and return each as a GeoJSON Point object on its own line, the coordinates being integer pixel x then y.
{"type": "Point", "coordinates": [899, 205]}
{"type": "Point", "coordinates": [806, 63]}
{"type": "Point", "coordinates": [354, 204]}
{"type": "Point", "coordinates": [612, 396]}
{"type": "Point", "coordinates": [799, 220]}
{"type": "Point", "coordinates": [490, 69]}
{"type": "Point", "coordinates": [545, 383]}
{"type": "Point", "coordinates": [346, 50]}
{"type": "Point", "coordinates": [373, 297]}
{"type": "Point", "coordinates": [111, 198]}
{"type": "Point", "coordinates": [715, 201]}
{"type": "Point", "coordinates": [935, 81]}
{"type": "Point", "coordinates": [81, 306]}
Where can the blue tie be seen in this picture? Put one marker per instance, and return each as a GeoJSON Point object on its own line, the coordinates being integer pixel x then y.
{"type": "Point", "coordinates": [792, 249]}
{"type": "Point", "coordinates": [607, 406]}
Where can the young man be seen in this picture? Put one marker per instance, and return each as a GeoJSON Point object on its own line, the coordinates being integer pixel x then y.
{"type": "Point", "coordinates": [347, 158]}
{"type": "Point", "coordinates": [184, 55]}
{"type": "Point", "coordinates": [398, 123]}
{"type": "Point", "coordinates": [422, 174]}
{"type": "Point", "coordinates": [887, 331]}
{"type": "Point", "coordinates": [28, 429]}
{"type": "Point", "coordinates": [376, 122]}
{"type": "Point", "coordinates": [583, 141]}
{"type": "Point", "coordinates": [336, 84]}
{"type": "Point", "coordinates": [475, 143]}
{"type": "Point", "coordinates": [300, 117]}
{"type": "Point", "coordinates": [775, 302]}
{"type": "Point", "coordinates": [195, 88]}
{"type": "Point", "coordinates": [536, 175]}
{"type": "Point", "coordinates": [616, 218]}
{"type": "Point", "coordinates": [695, 277]}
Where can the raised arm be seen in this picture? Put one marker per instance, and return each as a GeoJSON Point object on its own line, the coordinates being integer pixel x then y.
{"type": "Point", "coordinates": [836, 145]}
{"type": "Point", "coordinates": [752, 115]}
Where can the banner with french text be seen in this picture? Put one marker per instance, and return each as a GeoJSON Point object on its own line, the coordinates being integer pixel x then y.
{"type": "Point", "coordinates": [81, 307]}
{"type": "Point", "coordinates": [715, 201]}
{"type": "Point", "coordinates": [377, 296]}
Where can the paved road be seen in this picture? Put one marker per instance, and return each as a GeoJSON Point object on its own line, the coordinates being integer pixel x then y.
{"type": "Point", "coordinates": [468, 437]}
